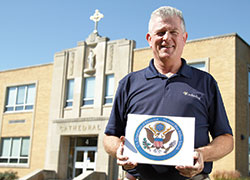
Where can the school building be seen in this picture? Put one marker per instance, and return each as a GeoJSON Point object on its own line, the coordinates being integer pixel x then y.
{"type": "Point", "coordinates": [53, 115]}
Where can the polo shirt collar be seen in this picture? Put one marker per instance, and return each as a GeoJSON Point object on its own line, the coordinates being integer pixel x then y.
{"type": "Point", "coordinates": [151, 71]}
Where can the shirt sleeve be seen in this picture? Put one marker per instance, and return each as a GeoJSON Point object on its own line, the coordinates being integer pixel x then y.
{"type": "Point", "coordinates": [218, 119]}
{"type": "Point", "coordinates": [117, 122]}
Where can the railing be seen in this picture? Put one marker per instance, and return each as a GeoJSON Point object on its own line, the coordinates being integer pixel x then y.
{"type": "Point", "coordinates": [91, 175]}
{"type": "Point", "coordinates": [40, 174]}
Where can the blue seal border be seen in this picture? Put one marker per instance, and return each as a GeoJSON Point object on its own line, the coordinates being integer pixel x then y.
{"type": "Point", "coordinates": [163, 157]}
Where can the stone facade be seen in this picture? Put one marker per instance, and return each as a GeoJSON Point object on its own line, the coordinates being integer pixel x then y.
{"type": "Point", "coordinates": [95, 57]}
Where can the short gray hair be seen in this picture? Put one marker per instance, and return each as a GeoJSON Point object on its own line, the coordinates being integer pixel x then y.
{"type": "Point", "coordinates": [166, 11]}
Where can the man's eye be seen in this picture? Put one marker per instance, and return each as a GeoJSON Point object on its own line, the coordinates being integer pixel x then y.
{"type": "Point", "coordinates": [160, 33]}
{"type": "Point", "coordinates": [174, 32]}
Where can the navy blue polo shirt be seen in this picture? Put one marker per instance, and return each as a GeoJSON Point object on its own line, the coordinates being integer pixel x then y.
{"type": "Point", "coordinates": [188, 93]}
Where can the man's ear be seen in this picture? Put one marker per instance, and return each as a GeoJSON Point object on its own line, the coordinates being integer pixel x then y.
{"type": "Point", "coordinates": [148, 37]}
{"type": "Point", "coordinates": [185, 36]}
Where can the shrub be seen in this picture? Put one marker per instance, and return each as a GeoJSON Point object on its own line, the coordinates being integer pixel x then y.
{"type": "Point", "coordinates": [228, 175]}
{"type": "Point", "coordinates": [8, 175]}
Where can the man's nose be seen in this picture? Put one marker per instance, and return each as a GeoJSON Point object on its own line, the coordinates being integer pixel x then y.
{"type": "Point", "coordinates": [166, 36]}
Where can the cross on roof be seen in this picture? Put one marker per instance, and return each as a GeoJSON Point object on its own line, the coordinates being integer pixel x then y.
{"type": "Point", "coordinates": [96, 18]}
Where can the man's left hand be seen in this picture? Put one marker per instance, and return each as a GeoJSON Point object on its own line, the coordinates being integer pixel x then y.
{"type": "Point", "coordinates": [190, 171]}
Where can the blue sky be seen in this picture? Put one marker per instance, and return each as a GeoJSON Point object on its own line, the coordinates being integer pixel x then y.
{"type": "Point", "coordinates": [31, 32]}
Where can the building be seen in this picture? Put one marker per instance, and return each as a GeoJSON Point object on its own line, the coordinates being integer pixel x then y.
{"type": "Point", "coordinates": [25, 101]}
{"type": "Point", "coordinates": [54, 115]}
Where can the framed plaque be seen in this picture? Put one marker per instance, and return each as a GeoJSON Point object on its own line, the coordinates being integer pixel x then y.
{"type": "Point", "coordinates": [163, 140]}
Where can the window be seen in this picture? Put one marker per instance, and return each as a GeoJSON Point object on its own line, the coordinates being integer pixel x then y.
{"type": "Point", "coordinates": [89, 91]}
{"type": "Point", "coordinates": [20, 98]}
{"type": "Point", "coordinates": [248, 87]}
{"type": "Point", "coordinates": [248, 154]}
{"type": "Point", "coordinates": [248, 119]}
{"type": "Point", "coordinates": [109, 89]}
{"type": "Point", "coordinates": [70, 92]}
{"type": "Point", "coordinates": [200, 65]}
{"type": "Point", "coordinates": [14, 150]}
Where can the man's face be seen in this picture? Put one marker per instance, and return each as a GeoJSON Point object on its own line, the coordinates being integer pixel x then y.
{"type": "Point", "coordinates": [166, 38]}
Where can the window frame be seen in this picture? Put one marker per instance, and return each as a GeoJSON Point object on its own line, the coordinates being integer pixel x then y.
{"type": "Point", "coordinates": [88, 101]}
{"type": "Point", "coordinates": [202, 60]}
{"type": "Point", "coordinates": [9, 160]}
{"type": "Point", "coordinates": [69, 102]}
{"type": "Point", "coordinates": [25, 106]}
{"type": "Point", "coordinates": [248, 114]}
{"type": "Point", "coordinates": [106, 96]}
{"type": "Point", "coordinates": [248, 85]}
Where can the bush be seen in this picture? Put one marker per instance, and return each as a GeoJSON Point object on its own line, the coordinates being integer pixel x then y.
{"type": "Point", "coordinates": [228, 175]}
{"type": "Point", "coordinates": [8, 175]}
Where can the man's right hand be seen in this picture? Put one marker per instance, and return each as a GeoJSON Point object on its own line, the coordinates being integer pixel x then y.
{"type": "Point", "coordinates": [124, 160]}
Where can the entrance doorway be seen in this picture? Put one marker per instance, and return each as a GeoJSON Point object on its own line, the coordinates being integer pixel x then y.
{"type": "Point", "coordinates": [82, 155]}
{"type": "Point", "coordinates": [84, 160]}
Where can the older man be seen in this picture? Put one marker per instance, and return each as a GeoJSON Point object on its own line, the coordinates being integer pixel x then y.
{"type": "Point", "coordinates": [159, 90]}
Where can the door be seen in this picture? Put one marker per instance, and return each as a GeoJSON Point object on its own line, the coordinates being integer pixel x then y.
{"type": "Point", "coordinates": [84, 160]}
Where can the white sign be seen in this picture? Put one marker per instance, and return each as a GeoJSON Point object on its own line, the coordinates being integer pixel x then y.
{"type": "Point", "coordinates": [163, 140]}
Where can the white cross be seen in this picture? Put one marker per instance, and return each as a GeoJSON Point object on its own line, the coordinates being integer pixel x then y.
{"type": "Point", "coordinates": [96, 18]}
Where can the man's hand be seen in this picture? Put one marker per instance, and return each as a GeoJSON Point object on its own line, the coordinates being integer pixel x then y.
{"type": "Point", "coordinates": [190, 171]}
{"type": "Point", "coordinates": [218, 148]}
{"type": "Point", "coordinates": [123, 160]}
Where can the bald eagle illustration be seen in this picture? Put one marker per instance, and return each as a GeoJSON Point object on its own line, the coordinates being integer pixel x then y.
{"type": "Point", "coordinates": [158, 139]}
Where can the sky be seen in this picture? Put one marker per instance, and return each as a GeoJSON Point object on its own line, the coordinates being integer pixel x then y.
{"type": "Point", "coordinates": [32, 31]}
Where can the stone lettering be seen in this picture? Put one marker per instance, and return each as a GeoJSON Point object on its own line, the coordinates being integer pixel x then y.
{"type": "Point", "coordinates": [79, 128]}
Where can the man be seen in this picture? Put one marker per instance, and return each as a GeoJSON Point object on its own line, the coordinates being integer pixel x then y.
{"type": "Point", "coordinates": [161, 89]}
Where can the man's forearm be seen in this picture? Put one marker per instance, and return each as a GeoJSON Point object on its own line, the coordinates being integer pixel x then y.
{"type": "Point", "coordinates": [218, 148]}
{"type": "Point", "coordinates": [111, 144]}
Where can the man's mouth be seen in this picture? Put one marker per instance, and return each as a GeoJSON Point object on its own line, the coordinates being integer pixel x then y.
{"type": "Point", "coordinates": [168, 46]}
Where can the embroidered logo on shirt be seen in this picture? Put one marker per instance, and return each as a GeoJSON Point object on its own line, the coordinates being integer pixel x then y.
{"type": "Point", "coordinates": [191, 95]}
{"type": "Point", "coordinates": [158, 138]}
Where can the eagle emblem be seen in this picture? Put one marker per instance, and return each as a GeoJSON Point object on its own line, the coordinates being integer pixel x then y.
{"type": "Point", "coordinates": [157, 137]}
